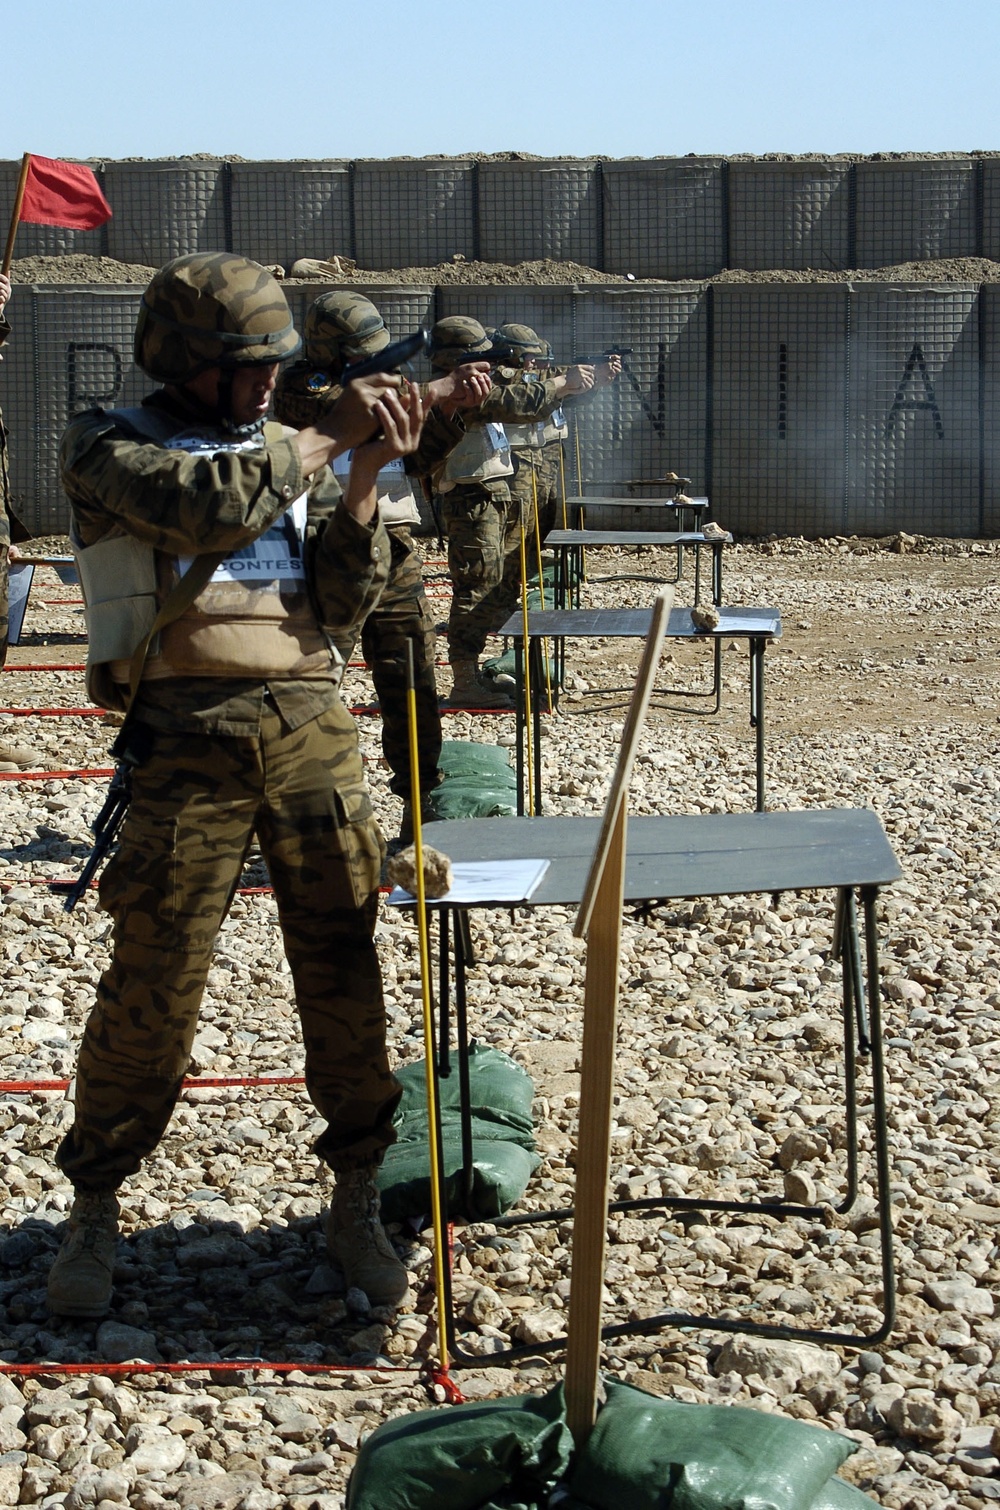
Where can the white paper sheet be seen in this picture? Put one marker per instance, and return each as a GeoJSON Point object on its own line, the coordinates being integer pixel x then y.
{"type": "Point", "coordinates": [478, 882]}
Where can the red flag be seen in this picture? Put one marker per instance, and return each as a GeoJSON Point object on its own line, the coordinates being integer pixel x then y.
{"type": "Point", "coordinates": [63, 194]}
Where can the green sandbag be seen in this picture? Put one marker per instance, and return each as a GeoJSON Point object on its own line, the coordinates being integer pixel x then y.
{"type": "Point", "coordinates": [503, 1144]}
{"type": "Point", "coordinates": [465, 1457]}
{"type": "Point", "coordinates": [478, 782]}
{"type": "Point", "coordinates": [464, 757]}
{"type": "Point", "coordinates": [836, 1495]}
{"type": "Point", "coordinates": [649, 1453]}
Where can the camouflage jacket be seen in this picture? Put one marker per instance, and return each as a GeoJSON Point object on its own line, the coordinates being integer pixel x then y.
{"type": "Point", "coordinates": [515, 400]}
{"type": "Point", "coordinates": [189, 504]}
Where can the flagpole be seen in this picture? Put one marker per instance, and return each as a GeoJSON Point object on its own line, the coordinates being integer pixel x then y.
{"type": "Point", "coordinates": [8, 255]}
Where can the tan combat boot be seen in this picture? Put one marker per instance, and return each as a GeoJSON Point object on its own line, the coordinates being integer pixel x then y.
{"type": "Point", "coordinates": [18, 758]}
{"type": "Point", "coordinates": [80, 1278]}
{"type": "Point", "coordinates": [356, 1239]}
{"type": "Point", "coordinates": [471, 690]}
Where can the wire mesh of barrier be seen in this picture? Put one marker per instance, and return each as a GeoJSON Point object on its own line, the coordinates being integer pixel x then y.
{"type": "Point", "coordinates": [913, 423]}
{"type": "Point", "coordinates": [665, 219]}
{"type": "Point", "coordinates": [284, 211]}
{"type": "Point", "coordinates": [789, 214]}
{"type": "Point", "coordinates": [907, 211]}
{"type": "Point", "coordinates": [780, 365]}
{"type": "Point", "coordinates": [414, 213]}
{"type": "Point", "coordinates": [534, 209]}
{"type": "Point", "coordinates": [165, 210]}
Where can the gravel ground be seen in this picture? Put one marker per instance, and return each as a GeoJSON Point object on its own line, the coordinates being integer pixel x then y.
{"type": "Point", "coordinates": [881, 692]}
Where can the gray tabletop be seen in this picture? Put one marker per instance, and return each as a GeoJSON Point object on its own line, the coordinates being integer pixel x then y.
{"type": "Point", "coordinates": [712, 854]}
{"type": "Point", "coordinates": [633, 623]}
{"type": "Point", "coordinates": [641, 503]}
{"type": "Point", "coordinates": [629, 537]}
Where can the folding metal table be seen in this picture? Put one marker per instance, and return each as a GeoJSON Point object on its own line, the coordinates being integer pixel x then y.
{"type": "Point", "coordinates": [689, 512]}
{"type": "Point", "coordinates": [718, 854]}
{"type": "Point", "coordinates": [569, 547]}
{"type": "Point", "coordinates": [755, 625]}
{"type": "Point", "coordinates": [627, 512]}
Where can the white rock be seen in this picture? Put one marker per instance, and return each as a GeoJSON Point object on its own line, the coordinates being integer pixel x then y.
{"type": "Point", "coordinates": [770, 1359]}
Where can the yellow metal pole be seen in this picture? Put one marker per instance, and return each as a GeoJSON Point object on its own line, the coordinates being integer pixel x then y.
{"type": "Point", "coordinates": [541, 584]}
{"type": "Point", "coordinates": [526, 661]}
{"type": "Point", "coordinates": [437, 1174]}
{"type": "Point", "coordinates": [562, 485]}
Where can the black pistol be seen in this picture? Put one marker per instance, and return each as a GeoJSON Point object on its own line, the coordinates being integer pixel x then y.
{"type": "Point", "coordinates": [389, 358]}
{"type": "Point", "coordinates": [602, 356]}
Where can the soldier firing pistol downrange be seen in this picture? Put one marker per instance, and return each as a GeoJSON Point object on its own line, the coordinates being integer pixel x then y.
{"type": "Point", "coordinates": [220, 561]}
{"type": "Point", "coordinates": [345, 333]}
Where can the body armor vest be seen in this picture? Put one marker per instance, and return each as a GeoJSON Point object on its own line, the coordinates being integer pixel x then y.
{"type": "Point", "coordinates": [393, 489]}
{"type": "Point", "coordinates": [253, 619]}
{"type": "Point", "coordinates": [554, 428]}
{"type": "Point", "coordinates": [483, 454]}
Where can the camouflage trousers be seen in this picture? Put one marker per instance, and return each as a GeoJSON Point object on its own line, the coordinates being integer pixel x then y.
{"type": "Point", "coordinates": [403, 614]}
{"type": "Point", "coordinates": [197, 801]}
{"type": "Point", "coordinates": [538, 484]}
{"type": "Point", "coordinates": [484, 562]}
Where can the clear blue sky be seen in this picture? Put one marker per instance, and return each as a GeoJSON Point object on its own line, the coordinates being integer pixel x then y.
{"type": "Point", "coordinates": [127, 78]}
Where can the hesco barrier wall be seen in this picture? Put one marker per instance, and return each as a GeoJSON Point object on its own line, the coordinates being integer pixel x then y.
{"type": "Point", "coordinates": [671, 218]}
{"type": "Point", "coordinates": [810, 409]}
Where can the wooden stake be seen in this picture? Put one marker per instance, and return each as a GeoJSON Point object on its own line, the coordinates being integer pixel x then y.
{"type": "Point", "coordinates": [15, 218]}
{"type": "Point", "coordinates": [590, 1218]}
{"type": "Point", "coordinates": [600, 918]}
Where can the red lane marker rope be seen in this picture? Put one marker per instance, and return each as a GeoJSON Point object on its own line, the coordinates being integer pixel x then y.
{"type": "Point", "coordinates": [44, 666]}
{"type": "Point", "coordinates": [190, 1082]}
{"type": "Point", "coordinates": [62, 602]}
{"type": "Point", "coordinates": [224, 1365]}
{"type": "Point", "coordinates": [53, 712]}
{"type": "Point", "coordinates": [82, 773]}
{"type": "Point", "coordinates": [58, 881]}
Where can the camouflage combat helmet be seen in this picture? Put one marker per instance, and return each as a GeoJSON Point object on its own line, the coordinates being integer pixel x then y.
{"type": "Point", "coordinates": [514, 344]}
{"type": "Point", "coordinates": [342, 327]}
{"type": "Point", "coordinates": [211, 309]}
{"type": "Point", "coordinates": [457, 339]}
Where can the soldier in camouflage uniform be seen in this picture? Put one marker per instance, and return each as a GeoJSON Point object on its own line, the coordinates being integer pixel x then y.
{"type": "Point", "coordinates": [538, 448]}
{"type": "Point", "coordinates": [12, 757]}
{"type": "Point", "coordinates": [481, 516]}
{"type": "Point", "coordinates": [342, 327]}
{"type": "Point", "coordinates": [235, 727]}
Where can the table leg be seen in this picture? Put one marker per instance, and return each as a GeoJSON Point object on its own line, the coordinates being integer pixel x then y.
{"type": "Point", "coordinates": [869, 895]}
{"type": "Point", "coordinates": [717, 573]}
{"type": "Point", "coordinates": [520, 721]}
{"type": "Point", "coordinates": [845, 948]}
{"type": "Point", "coordinates": [463, 957]}
{"type": "Point", "coordinates": [536, 654]}
{"type": "Point", "coordinates": [444, 1032]}
{"type": "Point", "coordinates": [757, 710]}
